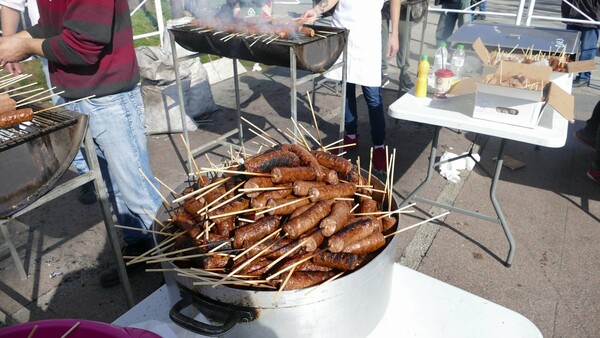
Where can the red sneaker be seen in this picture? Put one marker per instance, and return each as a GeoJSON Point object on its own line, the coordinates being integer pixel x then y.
{"type": "Point", "coordinates": [379, 160]}
{"type": "Point", "coordinates": [594, 175]}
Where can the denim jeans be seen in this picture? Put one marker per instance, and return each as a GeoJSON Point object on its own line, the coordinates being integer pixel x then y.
{"type": "Point", "coordinates": [117, 127]}
{"type": "Point", "coordinates": [588, 47]}
{"type": "Point", "coordinates": [376, 115]}
{"type": "Point", "coordinates": [448, 20]}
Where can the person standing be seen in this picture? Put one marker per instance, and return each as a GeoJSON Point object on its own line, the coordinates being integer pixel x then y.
{"type": "Point", "coordinates": [10, 12]}
{"type": "Point", "coordinates": [402, 57]}
{"type": "Point", "coordinates": [583, 10]}
{"type": "Point", "coordinates": [448, 20]}
{"type": "Point", "coordinates": [590, 136]}
{"type": "Point", "coordinates": [89, 47]}
{"type": "Point", "coordinates": [363, 20]}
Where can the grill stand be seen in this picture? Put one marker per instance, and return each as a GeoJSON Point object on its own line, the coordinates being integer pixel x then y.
{"type": "Point", "coordinates": [222, 140]}
{"type": "Point", "coordinates": [93, 175]}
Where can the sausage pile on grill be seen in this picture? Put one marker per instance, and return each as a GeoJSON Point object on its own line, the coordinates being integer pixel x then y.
{"type": "Point", "coordinates": [558, 62]}
{"type": "Point", "coordinates": [258, 26]}
{"type": "Point", "coordinates": [10, 115]}
{"type": "Point", "coordinates": [318, 192]}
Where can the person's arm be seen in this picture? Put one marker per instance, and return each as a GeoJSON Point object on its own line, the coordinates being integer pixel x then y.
{"type": "Point", "coordinates": [10, 22]}
{"type": "Point", "coordinates": [314, 13]}
{"type": "Point", "coordinates": [393, 44]}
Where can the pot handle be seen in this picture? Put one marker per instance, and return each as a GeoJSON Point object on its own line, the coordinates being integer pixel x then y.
{"type": "Point", "coordinates": [198, 327]}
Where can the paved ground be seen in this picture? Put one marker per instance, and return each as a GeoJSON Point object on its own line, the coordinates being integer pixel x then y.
{"type": "Point", "coordinates": [552, 208]}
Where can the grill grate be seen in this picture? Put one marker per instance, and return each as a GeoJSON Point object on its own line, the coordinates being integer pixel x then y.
{"type": "Point", "coordinates": [42, 124]}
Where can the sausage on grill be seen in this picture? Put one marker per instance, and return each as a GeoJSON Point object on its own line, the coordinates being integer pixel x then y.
{"type": "Point", "coordinates": [307, 220]}
{"type": "Point", "coordinates": [276, 158]}
{"type": "Point", "coordinates": [13, 117]}
{"type": "Point", "coordinates": [340, 211]}
{"type": "Point", "coordinates": [330, 192]}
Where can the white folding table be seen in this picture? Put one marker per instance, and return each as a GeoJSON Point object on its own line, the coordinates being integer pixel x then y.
{"type": "Point", "coordinates": [457, 113]}
{"type": "Point", "coordinates": [420, 306]}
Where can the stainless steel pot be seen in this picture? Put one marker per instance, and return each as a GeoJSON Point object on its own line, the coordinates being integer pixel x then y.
{"type": "Point", "coordinates": [350, 306]}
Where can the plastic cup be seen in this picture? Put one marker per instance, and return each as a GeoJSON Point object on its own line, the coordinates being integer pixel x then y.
{"type": "Point", "coordinates": [443, 82]}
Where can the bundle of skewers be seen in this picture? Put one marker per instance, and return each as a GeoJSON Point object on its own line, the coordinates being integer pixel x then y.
{"type": "Point", "coordinates": [516, 81]}
{"type": "Point", "coordinates": [13, 112]}
{"type": "Point", "coordinates": [556, 59]}
{"type": "Point", "coordinates": [287, 218]}
{"type": "Point", "coordinates": [258, 29]}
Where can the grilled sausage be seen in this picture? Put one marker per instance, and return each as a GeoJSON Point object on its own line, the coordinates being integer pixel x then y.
{"type": "Point", "coordinates": [312, 240]}
{"type": "Point", "coordinates": [301, 210]}
{"type": "Point", "coordinates": [330, 192]}
{"type": "Point", "coordinates": [301, 187]}
{"type": "Point", "coordinates": [340, 212]}
{"type": "Point", "coordinates": [304, 279]}
{"type": "Point", "coordinates": [308, 159]}
{"type": "Point", "coordinates": [7, 105]}
{"type": "Point", "coordinates": [388, 223]}
{"type": "Point", "coordinates": [289, 175]}
{"type": "Point", "coordinates": [225, 226]}
{"type": "Point", "coordinates": [351, 233]}
{"type": "Point", "coordinates": [367, 205]}
{"type": "Point", "coordinates": [307, 31]}
{"type": "Point", "coordinates": [215, 262]}
{"type": "Point", "coordinates": [368, 244]}
{"type": "Point", "coordinates": [13, 117]}
{"type": "Point", "coordinates": [340, 261]}
{"type": "Point", "coordinates": [307, 220]}
{"type": "Point", "coordinates": [255, 231]}
{"type": "Point", "coordinates": [255, 183]}
{"type": "Point", "coordinates": [238, 204]}
{"type": "Point", "coordinates": [266, 162]}
{"type": "Point", "coordinates": [331, 161]}
{"type": "Point", "coordinates": [288, 209]}
{"type": "Point", "coordinates": [261, 200]}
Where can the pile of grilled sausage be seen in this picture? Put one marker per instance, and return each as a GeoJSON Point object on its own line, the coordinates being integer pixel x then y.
{"type": "Point", "coordinates": [311, 205]}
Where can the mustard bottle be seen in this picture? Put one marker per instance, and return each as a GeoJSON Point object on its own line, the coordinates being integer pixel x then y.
{"type": "Point", "coordinates": [422, 74]}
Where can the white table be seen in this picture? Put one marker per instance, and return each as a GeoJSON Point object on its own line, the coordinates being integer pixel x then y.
{"type": "Point", "coordinates": [456, 112]}
{"type": "Point", "coordinates": [420, 306]}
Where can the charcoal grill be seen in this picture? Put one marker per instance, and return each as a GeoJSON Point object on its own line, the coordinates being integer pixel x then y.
{"type": "Point", "coordinates": [313, 54]}
{"type": "Point", "coordinates": [34, 155]}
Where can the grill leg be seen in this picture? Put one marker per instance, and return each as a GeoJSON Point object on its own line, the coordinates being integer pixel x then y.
{"type": "Point", "coordinates": [13, 251]}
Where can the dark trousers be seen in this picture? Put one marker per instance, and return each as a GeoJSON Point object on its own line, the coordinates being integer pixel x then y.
{"type": "Point", "coordinates": [588, 47]}
{"type": "Point", "coordinates": [376, 115]}
{"type": "Point", "coordinates": [592, 127]}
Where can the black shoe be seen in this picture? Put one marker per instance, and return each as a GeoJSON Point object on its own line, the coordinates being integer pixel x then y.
{"type": "Point", "coordinates": [87, 194]}
{"type": "Point", "coordinates": [479, 17]}
{"type": "Point", "coordinates": [580, 83]}
{"type": "Point", "coordinates": [110, 277]}
{"type": "Point", "coordinates": [406, 83]}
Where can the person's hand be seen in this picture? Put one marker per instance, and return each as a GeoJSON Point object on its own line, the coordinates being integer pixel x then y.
{"type": "Point", "coordinates": [12, 50]}
{"type": "Point", "coordinates": [310, 16]}
{"type": "Point", "coordinates": [392, 46]}
{"type": "Point", "coordinates": [13, 68]}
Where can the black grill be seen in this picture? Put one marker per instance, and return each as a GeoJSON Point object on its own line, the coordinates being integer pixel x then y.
{"type": "Point", "coordinates": [42, 124]}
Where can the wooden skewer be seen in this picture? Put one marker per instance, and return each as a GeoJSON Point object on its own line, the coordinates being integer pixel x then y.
{"type": "Point", "coordinates": [155, 189]}
{"type": "Point", "coordinates": [326, 32]}
{"type": "Point", "coordinates": [370, 166]}
{"type": "Point", "coordinates": [363, 195]}
{"type": "Point", "coordinates": [196, 192]}
{"type": "Point", "coordinates": [241, 219]}
{"type": "Point", "coordinates": [64, 104]}
{"type": "Point", "coordinates": [35, 95]}
{"type": "Point", "coordinates": [326, 282]}
{"type": "Point", "coordinates": [161, 246]}
{"type": "Point", "coordinates": [354, 208]}
{"type": "Point", "coordinates": [391, 196]}
{"type": "Point", "coordinates": [70, 330]}
{"type": "Point", "coordinates": [25, 86]}
{"type": "Point", "coordinates": [416, 224]}
{"type": "Point", "coordinates": [314, 115]}
{"type": "Point", "coordinates": [291, 136]}
{"type": "Point", "coordinates": [332, 144]}
{"type": "Point", "coordinates": [388, 213]}
{"type": "Point", "coordinates": [187, 148]}
{"type": "Point", "coordinates": [321, 36]}
{"type": "Point", "coordinates": [287, 278]}
{"type": "Point", "coordinates": [269, 236]}
{"type": "Point", "coordinates": [264, 138]}
{"type": "Point", "coordinates": [344, 199]}
{"type": "Point", "coordinates": [182, 258]}
{"type": "Point", "coordinates": [264, 189]}
{"type": "Point", "coordinates": [154, 218]}
{"type": "Point", "coordinates": [143, 230]}
{"type": "Point", "coordinates": [207, 170]}
{"type": "Point", "coordinates": [35, 327]}
{"type": "Point", "coordinates": [282, 205]}
{"type": "Point", "coordinates": [301, 135]}
{"type": "Point", "coordinates": [236, 212]}
{"type": "Point", "coordinates": [225, 195]}
{"type": "Point", "coordinates": [260, 129]}
{"type": "Point", "coordinates": [293, 265]}
{"type": "Point", "coordinates": [14, 80]}
{"type": "Point", "coordinates": [38, 99]}
{"type": "Point", "coordinates": [240, 282]}
{"type": "Point", "coordinates": [383, 213]}
{"type": "Point", "coordinates": [29, 91]}
{"type": "Point", "coordinates": [250, 260]}
{"type": "Point", "coordinates": [341, 146]}
{"type": "Point", "coordinates": [166, 186]}
{"type": "Point", "coordinates": [289, 252]}
{"type": "Point", "coordinates": [311, 135]}
{"type": "Point", "coordinates": [275, 38]}
{"type": "Point", "coordinates": [166, 254]}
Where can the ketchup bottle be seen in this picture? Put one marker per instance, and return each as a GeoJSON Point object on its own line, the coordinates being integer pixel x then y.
{"type": "Point", "coordinates": [422, 74]}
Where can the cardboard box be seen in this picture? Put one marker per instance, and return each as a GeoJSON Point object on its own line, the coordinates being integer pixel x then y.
{"type": "Point", "coordinates": [571, 67]}
{"type": "Point", "coordinates": [518, 106]}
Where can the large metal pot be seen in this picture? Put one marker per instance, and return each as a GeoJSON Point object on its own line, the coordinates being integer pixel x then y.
{"type": "Point", "coordinates": [350, 306]}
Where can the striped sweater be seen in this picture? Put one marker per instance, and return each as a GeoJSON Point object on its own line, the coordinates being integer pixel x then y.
{"type": "Point", "coordinates": [89, 46]}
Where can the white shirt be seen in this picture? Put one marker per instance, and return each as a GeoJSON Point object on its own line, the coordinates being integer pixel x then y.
{"type": "Point", "coordinates": [19, 5]}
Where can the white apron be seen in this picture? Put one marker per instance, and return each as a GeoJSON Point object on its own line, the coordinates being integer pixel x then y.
{"type": "Point", "coordinates": [363, 19]}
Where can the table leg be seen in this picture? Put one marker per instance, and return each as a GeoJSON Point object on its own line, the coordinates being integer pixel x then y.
{"type": "Point", "coordinates": [430, 168]}
{"type": "Point", "coordinates": [496, 204]}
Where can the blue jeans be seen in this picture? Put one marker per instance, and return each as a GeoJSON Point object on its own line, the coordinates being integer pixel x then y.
{"type": "Point", "coordinates": [117, 127]}
{"type": "Point", "coordinates": [587, 48]}
{"type": "Point", "coordinates": [376, 115]}
{"type": "Point", "coordinates": [448, 20]}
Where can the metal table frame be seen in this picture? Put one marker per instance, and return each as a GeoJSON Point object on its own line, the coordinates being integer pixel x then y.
{"type": "Point", "coordinates": [295, 82]}
{"type": "Point", "coordinates": [454, 112]}
{"type": "Point", "coordinates": [94, 175]}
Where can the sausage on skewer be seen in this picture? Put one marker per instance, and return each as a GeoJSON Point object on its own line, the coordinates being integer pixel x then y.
{"type": "Point", "coordinates": [10, 118]}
